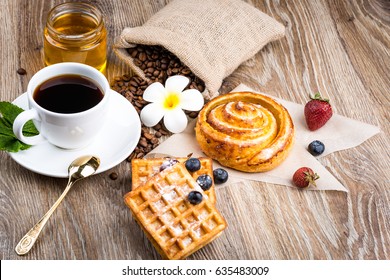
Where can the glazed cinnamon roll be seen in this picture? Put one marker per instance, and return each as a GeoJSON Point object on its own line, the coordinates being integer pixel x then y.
{"type": "Point", "coordinates": [246, 131]}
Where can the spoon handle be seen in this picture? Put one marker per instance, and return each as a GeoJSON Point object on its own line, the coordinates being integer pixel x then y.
{"type": "Point", "coordinates": [26, 243]}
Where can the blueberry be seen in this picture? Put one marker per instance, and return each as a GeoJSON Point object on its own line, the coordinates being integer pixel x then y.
{"type": "Point", "coordinates": [316, 148]}
{"type": "Point", "coordinates": [195, 197]}
{"type": "Point", "coordinates": [220, 176]}
{"type": "Point", "coordinates": [205, 182]}
{"type": "Point", "coordinates": [168, 163]}
{"type": "Point", "coordinates": [192, 164]}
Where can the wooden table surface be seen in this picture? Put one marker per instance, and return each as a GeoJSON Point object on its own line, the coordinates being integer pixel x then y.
{"type": "Point", "coordinates": [339, 48]}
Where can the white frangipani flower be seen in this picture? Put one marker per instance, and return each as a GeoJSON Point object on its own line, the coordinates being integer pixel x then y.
{"type": "Point", "coordinates": [169, 102]}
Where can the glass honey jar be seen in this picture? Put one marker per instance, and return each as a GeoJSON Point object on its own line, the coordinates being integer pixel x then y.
{"type": "Point", "coordinates": [75, 32]}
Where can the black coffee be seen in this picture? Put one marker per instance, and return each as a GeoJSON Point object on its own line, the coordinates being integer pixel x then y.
{"type": "Point", "coordinates": [68, 94]}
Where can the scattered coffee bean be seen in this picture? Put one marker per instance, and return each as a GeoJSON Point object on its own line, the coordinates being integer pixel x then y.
{"type": "Point", "coordinates": [21, 71]}
{"type": "Point", "coordinates": [113, 176]}
{"type": "Point", "coordinates": [148, 136]}
{"type": "Point", "coordinates": [157, 126]}
{"type": "Point", "coordinates": [193, 115]}
{"type": "Point", "coordinates": [140, 155]}
{"type": "Point", "coordinates": [143, 142]}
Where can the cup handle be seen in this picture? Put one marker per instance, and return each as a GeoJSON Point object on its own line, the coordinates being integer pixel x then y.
{"type": "Point", "coordinates": [19, 123]}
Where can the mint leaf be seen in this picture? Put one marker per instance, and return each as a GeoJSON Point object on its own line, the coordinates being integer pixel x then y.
{"type": "Point", "coordinates": [9, 111]}
{"type": "Point", "coordinates": [8, 140]}
{"type": "Point", "coordinates": [11, 144]}
{"type": "Point", "coordinates": [29, 129]}
{"type": "Point", "coordinates": [5, 128]}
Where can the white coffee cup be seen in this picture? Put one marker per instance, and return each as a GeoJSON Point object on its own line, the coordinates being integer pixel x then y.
{"type": "Point", "coordinates": [65, 130]}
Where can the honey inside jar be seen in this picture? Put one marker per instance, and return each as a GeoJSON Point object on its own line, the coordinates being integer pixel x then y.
{"type": "Point", "coordinates": [75, 32]}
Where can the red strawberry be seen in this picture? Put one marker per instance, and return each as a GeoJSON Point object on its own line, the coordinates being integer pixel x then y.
{"type": "Point", "coordinates": [317, 112]}
{"type": "Point", "coordinates": [304, 177]}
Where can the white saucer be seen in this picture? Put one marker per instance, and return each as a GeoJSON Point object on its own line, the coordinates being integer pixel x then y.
{"type": "Point", "coordinates": [116, 141]}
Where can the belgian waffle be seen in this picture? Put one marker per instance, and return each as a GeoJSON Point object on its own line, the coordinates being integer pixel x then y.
{"type": "Point", "coordinates": [175, 227]}
{"type": "Point", "coordinates": [143, 169]}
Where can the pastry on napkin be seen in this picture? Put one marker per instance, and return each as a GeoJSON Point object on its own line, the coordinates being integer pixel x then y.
{"type": "Point", "coordinates": [340, 133]}
{"type": "Point", "coordinates": [245, 131]}
{"type": "Point", "coordinates": [211, 37]}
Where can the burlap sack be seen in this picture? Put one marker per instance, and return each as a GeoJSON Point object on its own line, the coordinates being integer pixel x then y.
{"type": "Point", "coordinates": [211, 37]}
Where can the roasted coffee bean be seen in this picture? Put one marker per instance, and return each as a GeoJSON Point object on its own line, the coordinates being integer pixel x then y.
{"type": "Point", "coordinates": [134, 83]}
{"type": "Point", "coordinates": [148, 136]}
{"type": "Point", "coordinates": [143, 143]}
{"type": "Point", "coordinates": [128, 95]}
{"type": "Point", "coordinates": [162, 76]}
{"type": "Point", "coordinates": [139, 105]}
{"type": "Point", "coordinates": [133, 53]}
{"type": "Point", "coordinates": [140, 155]}
{"type": "Point", "coordinates": [113, 176]}
{"type": "Point", "coordinates": [126, 78]}
{"type": "Point", "coordinates": [193, 115]}
{"type": "Point", "coordinates": [21, 71]}
{"type": "Point", "coordinates": [137, 62]}
{"type": "Point", "coordinates": [142, 56]}
{"type": "Point", "coordinates": [185, 71]}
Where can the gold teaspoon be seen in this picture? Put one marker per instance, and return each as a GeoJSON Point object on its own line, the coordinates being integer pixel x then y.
{"type": "Point", "coordinates": [80, 168]}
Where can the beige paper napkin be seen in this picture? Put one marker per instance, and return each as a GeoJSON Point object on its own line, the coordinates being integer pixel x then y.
{"type": "Point", "coordinates": [338, 134]}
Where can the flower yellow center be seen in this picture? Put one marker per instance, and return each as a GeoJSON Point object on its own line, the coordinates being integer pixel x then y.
{"type": "Point", "coordinates": [171, 101]}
